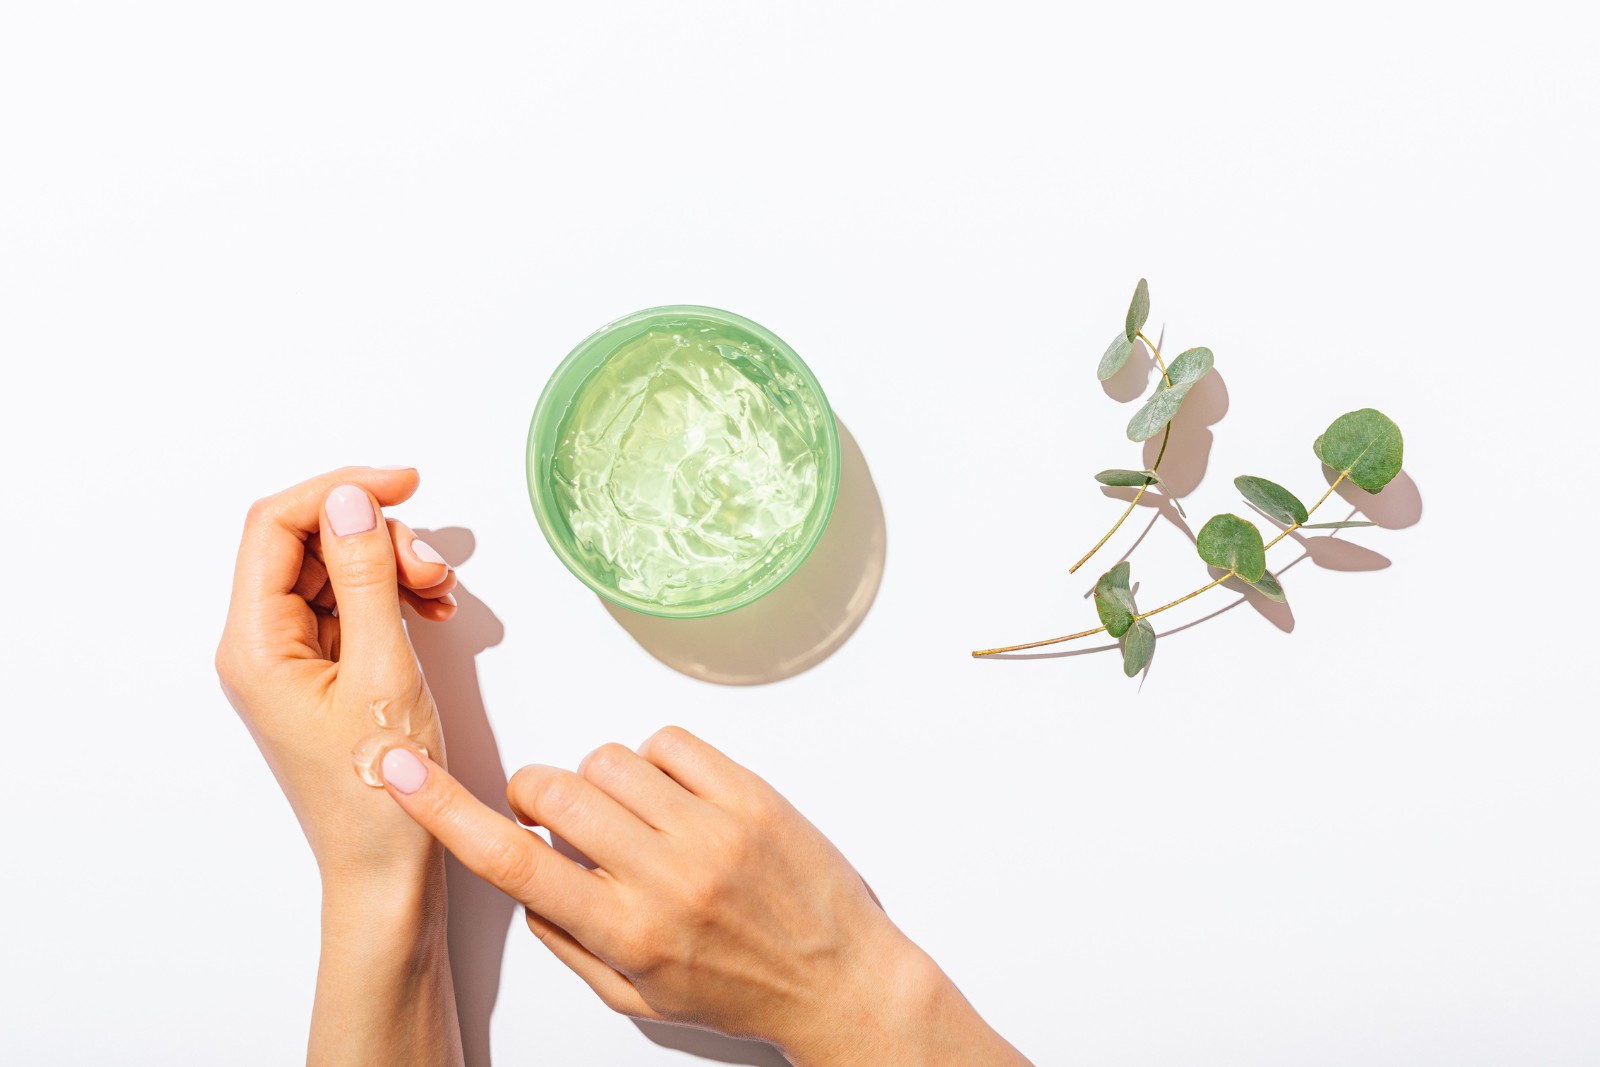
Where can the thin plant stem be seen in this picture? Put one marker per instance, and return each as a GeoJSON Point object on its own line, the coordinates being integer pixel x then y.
{"type": "Point", "coordinates": [1166, 435]}
{"type": "Point", "coordinates": [1039, 644]}
{"type": "Point", "coordinates": [1312, 510]}
{"type": "Point", "coordinates": [1187, 596]}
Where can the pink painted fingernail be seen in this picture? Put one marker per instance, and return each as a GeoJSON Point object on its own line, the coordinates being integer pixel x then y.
{"type": "Point", "coordinates": [403, 770]}
{"type": "Point", "coordinates": [350, 511]}
{"type": "Point", "coordinates": [426, 552]}
{"type": "Point", "coordinates": [448, 598]}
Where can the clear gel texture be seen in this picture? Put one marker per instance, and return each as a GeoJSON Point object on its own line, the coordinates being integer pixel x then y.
{"type": "Point", "coordinates": [685, 465]}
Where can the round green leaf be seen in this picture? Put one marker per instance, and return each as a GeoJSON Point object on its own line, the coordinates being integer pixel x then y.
{"type": "Point", "coordinates": [1156, 413]}
{"type": "Point", "coordinates": [1272, 498]}
{"type": "Point", "coordinates": [1138, 645]}
{"type": "Point", "coordinates": [1118, 476]}
{"type": "Point", "coordinates": [1116, 356]}
{"type": "Point", "coordinates": [1336, 525]}
{"type": "Point", "coordinates": [1365, 446]}
{"type": "Point", "coordinates": [1190, 366]}
{"type": "Point", "coordinates": [1113, 600]}
{"type": "Point", "coordinates": [1268, 587]}
{"type": "Point", "coordinates": [1233, 544]}
{"type": "Point", "coordinates": [1139, 310]}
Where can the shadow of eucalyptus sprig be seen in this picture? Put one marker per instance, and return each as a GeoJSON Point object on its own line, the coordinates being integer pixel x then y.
{"type": "Point", "coordinates": [1362, 446]}
{"type": "Point", "coordinates": [1157, 413]}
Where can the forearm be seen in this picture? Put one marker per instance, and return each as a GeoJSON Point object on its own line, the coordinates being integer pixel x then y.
{"type": "Point", "coordinates": [906, 1012]}
{"type": "Point", "coordinates": [383, 981]}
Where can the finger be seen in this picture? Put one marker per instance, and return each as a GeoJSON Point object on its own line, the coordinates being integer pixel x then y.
{"type": "Point", "coordinates": [273, 546]}
{"type": "Point", "coordinates": [592, 822]}
{"type": "Point", "coordinates": [613, 988]}
{"type": "Point", "coordinates": [360, 559]}
{"type": "Point", "coordinates": [421, 576]}
{"type": "Point", "coordinates": [697, 766]}
{"type": "Point", "coordinates": [493, 847]}
{"type": "Point", "coordinates": [640, 786]}
{"type": "Point", "coordinates": [312, 585]}
{"type": "Point", "coordinates": [434, 610]}
{"type": "Point", "coordinates": [419, 564]}
{"type": "Point", "coordinates": [434, 592]}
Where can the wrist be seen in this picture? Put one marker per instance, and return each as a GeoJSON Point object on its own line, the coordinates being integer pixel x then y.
{"type": "Point", "coordinates": [385, 909]}
{"type": "Point", "coordinates": [871, 1014]}
{"type": "Point", "coordinates": [899, 1008]}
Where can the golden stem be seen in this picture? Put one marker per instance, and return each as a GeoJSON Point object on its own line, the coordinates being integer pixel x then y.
{"type": "Point", "coordinates": [1156, 466]}
{"type": "Point", "coordinates": [1309, 511]}
{"type": "Point", "coordinates": [1186, 596]}
{"type": "Point", "coordinates": [1038, 644]}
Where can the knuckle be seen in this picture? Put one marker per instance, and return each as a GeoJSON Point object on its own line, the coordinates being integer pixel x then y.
{"type": "Point", "coordinates": [511, 865]}
{"type": "Point", "coordinates": [665, 740]}
{"type": "Point", "coordinates": [544, 794]}
{"type": "Point", "coordinates": [555, 795]}
{"type": "Point", "coordinates": [759, 809]}
{"type": "Point", "coordinates": [605, 763]}
{"type": "Point", "coordinates": [260, 511]}
{"type": "Point", "coordinates": [640, 949]}
{"type": "Point", "coordinates": [363, 571]}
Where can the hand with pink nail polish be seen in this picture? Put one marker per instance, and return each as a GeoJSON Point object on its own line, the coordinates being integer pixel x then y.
{"type": "Point", "coordinates": [316, 660]}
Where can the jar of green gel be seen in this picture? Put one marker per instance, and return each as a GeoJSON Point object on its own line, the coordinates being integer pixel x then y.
{"type": "Point", "coordinates": [683, 461]}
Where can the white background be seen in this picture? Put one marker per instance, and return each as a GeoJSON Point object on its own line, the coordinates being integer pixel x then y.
{"type": "Point", "coordinates": [243, 244]}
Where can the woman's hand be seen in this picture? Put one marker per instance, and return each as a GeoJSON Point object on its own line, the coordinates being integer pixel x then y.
{"type": "Point", "coordinates": [713, 902]}
{"type": "Point", "coordinates": [313, 652]}
{"type": "Point", "coordinates": [314, 643]}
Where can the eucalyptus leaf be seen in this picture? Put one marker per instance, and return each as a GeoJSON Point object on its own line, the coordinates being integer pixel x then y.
{"type": "Point", "coordinates": [1156, 413]}
{"type": "Point", "coordinates": [1233, 544]}
{"type": "Point", "coordinates": [1268, 587]}
{"type": "Point", "coordinates": [1116, 356]}
{"type": "Point", "coordinates": [1138, 645]}
{"type": "Point", "coordinates": [1135, 479]}
{"type": "Point", "coordinates": [1363, 445]}
{"type": "Point", "coordinates": [1138, 311]}
{"type": "Point", "coordinates": [1190, 366]}
{"type": "Point", "coordinates": [1272, 498]}
{"type": "Point", "coordinates": [1120, 477]}
{"type": "Point", "coordinates": [1336, 525]}
{"type": "Point", "coordinates": [1113, 600]}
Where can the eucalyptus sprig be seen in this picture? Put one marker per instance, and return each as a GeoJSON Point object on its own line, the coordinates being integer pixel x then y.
{"type": "Point", "coordinates": [1157, 413]}
{"type": "Point", "coordinates": [1363, 446]}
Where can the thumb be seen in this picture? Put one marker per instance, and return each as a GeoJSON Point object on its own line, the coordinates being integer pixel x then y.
{"type": "Point", "coordinates": [360, 559]}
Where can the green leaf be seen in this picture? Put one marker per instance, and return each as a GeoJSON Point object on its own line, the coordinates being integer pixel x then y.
{"type": "Point", "coordinates": [1233, 544]}
{"type": "Point", "coordinates": [1138, 311]}
{"type": "Point", "coordinates": [1190, 366]}
{"type": "Point", "coordinates": [1365, 446]}
{"type": "Point", "coordinates": [1156, 413]}
{"type": "Point", "coordinates": [1271, 498]}
{"type": "Point", "coordinates": [1116, 356]}
{"type": "Point", "coordinates": [1268, 587]}
{"type": "Point", "coordinates": [1138, 645]}
{"type": "Point", "coordinates": [1159, 410]}
{"type": "Point", "coordinates": [1113, 600]}
{"type": "Point", "coordinates": [1335, 525]}
{"type": "Point", "coordinates": [1132, 479]}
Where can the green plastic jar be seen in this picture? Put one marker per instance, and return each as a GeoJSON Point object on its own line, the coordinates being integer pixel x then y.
{"type": "Point", "coordinates": [683, 461]}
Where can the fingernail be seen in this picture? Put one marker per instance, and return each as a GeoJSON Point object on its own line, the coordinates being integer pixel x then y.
{"type": "Point", "coordinates": [448, 598]}
{"type": "Point", "coordinates": [393, 467]}
{"type": "Point", "coordinates": [403, 770]}
{"type": "Point", "coordinates": [350, 511]}
{"type": "Point", "coordinates": [425, 552]}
